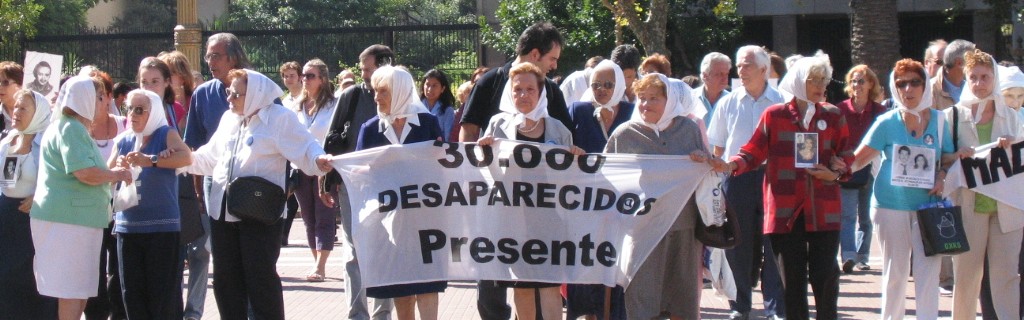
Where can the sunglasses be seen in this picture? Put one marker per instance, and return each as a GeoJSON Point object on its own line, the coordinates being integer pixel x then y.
{"type": "Point", "coordinates": [309, 76]}
{"type": "Point", "coordinates": [137, 110]}
{"type": "Point", "coordinates": [607, 85]}
{"type": "Point", "coordinates": [233, 95]}
{"type": "Point", "coordinates": [915, 83]}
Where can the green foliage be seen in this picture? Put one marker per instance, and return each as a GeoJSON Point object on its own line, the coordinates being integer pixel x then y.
{"type": "Point", "coordinates": [697, 27]}
{"type": "Point", "coordinates": [63, 16]}
{"type": "Point", "coordinates": [588, 28]}
{"type": "Point", "coordinates": [17, 19]}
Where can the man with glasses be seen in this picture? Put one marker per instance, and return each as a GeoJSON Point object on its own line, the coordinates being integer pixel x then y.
{"type": "Point", "coordinates": [949, 80]}
{"type": "Point", "coordinates": [209, 101]}
{"type": "Point", "coordinates": [933, 56]}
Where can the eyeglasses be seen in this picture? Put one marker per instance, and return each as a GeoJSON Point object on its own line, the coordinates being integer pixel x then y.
{"type": "Point", "coordinates": [137, 110]}
{"type": "Point", "coordinates": [819, 81]}
{"type": "Point", "coordinates": [234, 95]}
{"type": "Point", "coordinates": [607, 85]}
{"type": "Point", "coordinates": [212, 56]}
{"type": "Point", "coordinates": [915, 83]}
{"type": "Point", "coordinates": [6, 82]}
{"type": "Point", "coordinates": [857, 82]}
{"type": "Point", "coordinates": [309, 76]}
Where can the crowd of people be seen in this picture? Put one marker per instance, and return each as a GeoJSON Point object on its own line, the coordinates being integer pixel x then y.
{"type": "Point", "coordinates": [111, 192]}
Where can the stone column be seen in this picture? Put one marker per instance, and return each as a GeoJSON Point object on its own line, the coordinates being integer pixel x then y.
{"type": "Point", "coordinates": [188, 36]}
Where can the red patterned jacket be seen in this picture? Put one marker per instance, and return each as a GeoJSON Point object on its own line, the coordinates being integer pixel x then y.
{"type": "Point", "coordinates": [789, 191]}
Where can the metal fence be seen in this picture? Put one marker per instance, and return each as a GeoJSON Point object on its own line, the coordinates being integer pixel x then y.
{"type": "Point", "coordinates": [451, 47]}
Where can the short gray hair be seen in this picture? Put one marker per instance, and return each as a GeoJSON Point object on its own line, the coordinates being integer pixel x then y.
{"type": "Point", "coordinates": [932, 45]}
{"type": "Point", "coordinates": [711, 58]}
{"type": "Point", "coordinates": [761, 57]}
{"type": "Point", "coordinates": [234, 48]}
{"type": "Point", "coordinates": [955, 51]}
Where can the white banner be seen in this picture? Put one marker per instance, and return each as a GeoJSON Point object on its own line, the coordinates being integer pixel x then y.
{"type": "Point", "coordinates": [994, 172]}
{"type": "Point", "coordinates": [512, 211]}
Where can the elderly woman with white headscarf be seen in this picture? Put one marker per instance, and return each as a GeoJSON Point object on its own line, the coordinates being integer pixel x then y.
{"type": "Point", "coordinates": [148, 251]}
{"type": "Point", "coordinates": [669, 280]}
{"type": "Point", "coordinates": [401, 119]}
{"type": "Point", "coordinates": [71, 204]}
{"type": "Point", "coordinates": [1011, 86]}
{"type": "Point", "coordinates": [802, 205]}
{"type": "Point", "coordinates": [601, 109]}
{"type": "Point", "coordinates": [913, 124]}
{"type": "Point", "coordinates": [30, 115]}
{"type": "Point", "coordinates": [256, 138]}
{"type": "Point", "coordinates": [524, 117]}
{"type": "Point", "coordinates": [994, 229]}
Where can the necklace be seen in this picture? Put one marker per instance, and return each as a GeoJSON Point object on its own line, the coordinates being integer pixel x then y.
{"type": "Point", "coordinates": [106, 142]}
{"type": "Point", "coordinates": [534, 127]}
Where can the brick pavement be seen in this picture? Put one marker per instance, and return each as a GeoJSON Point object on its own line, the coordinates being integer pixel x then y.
{"type": "Point", "coordinates": [859, 293]}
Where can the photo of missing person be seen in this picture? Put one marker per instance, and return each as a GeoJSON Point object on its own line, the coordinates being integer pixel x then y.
{"type": "Point", "coordinates": [913, 167]}
{"type": "Point", "coordinates": [10, 170]}
{"type": "Point", "coordinates": [805, 148]}
{"type": "Point", "coordinates": [42, 73]}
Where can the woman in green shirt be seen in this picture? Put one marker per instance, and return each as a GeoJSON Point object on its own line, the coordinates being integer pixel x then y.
{"type": "Point", "coordinates": [71, 205]}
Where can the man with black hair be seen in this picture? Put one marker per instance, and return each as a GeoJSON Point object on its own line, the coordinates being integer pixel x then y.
{"type": "Point", "coordinates": [627, 57]}
{"type": "Point", "coordinates": [540, 44]}
{"type": "Point", "coordinates": [355, 107]}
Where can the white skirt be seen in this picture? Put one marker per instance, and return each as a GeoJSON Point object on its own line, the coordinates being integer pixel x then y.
{"type": "Point", "coordinates": [67, 261]}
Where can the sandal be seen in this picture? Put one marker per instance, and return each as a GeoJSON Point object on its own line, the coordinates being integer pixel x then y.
{"type": "Point", "coordinates": [315, 277]}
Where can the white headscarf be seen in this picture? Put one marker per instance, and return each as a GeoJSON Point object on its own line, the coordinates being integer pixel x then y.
{"type": "Point", "coordinates": [538, 113]}
{"type": "Point", "coordinates": [259, 94]}
{"type": "Point", "coordinates": [157, 116]}
{"type": "Point", "coordinates": [794, 83]}
{"type": "Point", "coordinates": [40, 119]}
{"type": "Point", "coordinates": [405, 102]}
{"type": "Point", "coordinates": [79, 95]}
{"type": "Point", "coordinates": [1010, 77]}
{"type": "Point", "coordinates": [967, 98]}
{"type": "Point", "coordinates": [617, 93]}
{"type": "Point", "coordinates": [926, 97]}
{"type": "Point", "coordinates": [672, 107]}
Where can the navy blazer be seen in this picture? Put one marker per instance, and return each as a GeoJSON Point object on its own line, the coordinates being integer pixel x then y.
{"type": "Point", "coordinates": [370, 135]}
{"type": "Point", "coordinates": [588, 135]}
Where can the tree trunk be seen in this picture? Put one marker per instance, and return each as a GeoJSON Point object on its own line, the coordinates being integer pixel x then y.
{"type": "Point", "coordinates": [650, 31]}
{"type": "Point", "coordinates": [874, 35]}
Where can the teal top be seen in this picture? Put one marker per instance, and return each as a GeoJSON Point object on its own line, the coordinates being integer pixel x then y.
{"type": "Point", "coordinates": [889, 131]}
{"type": "Point", "coordinates": [66, 147]}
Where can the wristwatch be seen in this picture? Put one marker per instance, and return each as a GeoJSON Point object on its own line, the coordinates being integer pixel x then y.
{"type": "Point", "coordinates": [153, 159]}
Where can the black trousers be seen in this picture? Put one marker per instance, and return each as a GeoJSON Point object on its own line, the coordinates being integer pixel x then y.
{"type": "Point", "coordinates": [245, 269]}
{"type": "Point", "coordinates": [107, 304]}
{"type": "Point", "coordinates": [808, 257]}
{"type": "Point", "coordinates": [19, 298]}
{"type": "Point", "coordinates": [150, 280]}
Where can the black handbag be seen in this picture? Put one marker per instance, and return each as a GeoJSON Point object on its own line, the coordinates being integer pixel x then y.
{"type": "Point", "coordinates": [942, 229]}
{"type": "Point", "coordinates": [723, 236]}
{"type": "Point", "coordinates": [255, 199]}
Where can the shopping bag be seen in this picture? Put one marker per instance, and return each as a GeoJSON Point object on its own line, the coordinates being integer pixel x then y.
{"type": "Point", "coordinates": [942, 229]}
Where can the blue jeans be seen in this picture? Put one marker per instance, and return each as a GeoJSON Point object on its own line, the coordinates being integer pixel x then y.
{"type": "Point", "coordinates": [198, 254]}
{"type": "Point", "coordinates": [855, 230]}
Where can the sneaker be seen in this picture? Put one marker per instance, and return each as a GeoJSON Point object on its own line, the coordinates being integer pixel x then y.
{"type": "Point", "coordinates": [707, 284]}
{"type": "Point", "coordinates": [862, 266]}
{"type": "Point", "coordinates": [736, 315]}
{"type": "Point", "coordinates": [946, 290]}
{"type": "Point", "coordinates": [848, 266]}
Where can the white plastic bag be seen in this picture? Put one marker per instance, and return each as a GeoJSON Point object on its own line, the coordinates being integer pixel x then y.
{"type": "Point", "coordinates": [711, 198]}
{"type": "Point", "coordinates": [721, 275]}
{"type": "Point", "coordinates": [128, 196]}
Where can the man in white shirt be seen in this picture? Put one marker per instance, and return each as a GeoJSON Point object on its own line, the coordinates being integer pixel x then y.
{"type": "Point", "coordinates": [733, 123]}
{"type": "Point", "coordinates": [290, 78]}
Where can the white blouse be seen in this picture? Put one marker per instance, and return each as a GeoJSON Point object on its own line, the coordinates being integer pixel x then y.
{"type": "Point", "coordinates": [26, 184]}
{"type": "Point", "coordinates": [319, 122]}
{"type": "Point", "coordinates": [272, 137]}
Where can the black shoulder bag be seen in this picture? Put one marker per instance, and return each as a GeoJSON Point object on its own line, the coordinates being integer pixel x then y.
{"type": "Point", "coordinates": [253, 198]}
{"type": "Point", "coordinates": [339, 138]}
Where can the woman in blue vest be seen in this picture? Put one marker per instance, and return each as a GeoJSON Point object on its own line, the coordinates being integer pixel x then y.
{"type": "Point", "coordinates": [401, 119]}
{"type": "Point", "coordinates": [147, 233]}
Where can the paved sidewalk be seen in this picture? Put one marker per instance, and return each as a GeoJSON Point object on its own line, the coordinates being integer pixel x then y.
{"type": "Point", "coordinates": [860, 292]}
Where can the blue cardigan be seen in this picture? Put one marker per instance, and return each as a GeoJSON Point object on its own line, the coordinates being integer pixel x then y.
{"type": "Point", "coordinates": [370, 135]}
{"type": "Point", "coordinates": [588, 135]}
